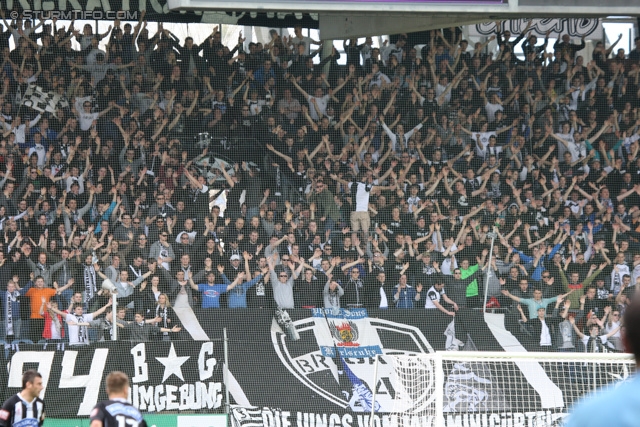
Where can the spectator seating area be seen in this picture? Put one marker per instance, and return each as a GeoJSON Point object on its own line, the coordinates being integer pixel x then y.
{"type": "Point", "coordinates": [195, 176]}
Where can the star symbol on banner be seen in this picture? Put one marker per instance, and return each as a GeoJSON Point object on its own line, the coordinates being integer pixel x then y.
{"type": "Point", "coordinates": [172, 364]}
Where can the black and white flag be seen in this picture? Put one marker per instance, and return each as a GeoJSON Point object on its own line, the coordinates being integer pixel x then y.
{"type": "Point", "coordinates": [36, 98]}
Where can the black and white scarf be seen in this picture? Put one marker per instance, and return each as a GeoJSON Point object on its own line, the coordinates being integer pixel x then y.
{"type": "Point", "coordinates": [107, 330]}
{"type": "Point", "coordinates": [89, 283]}
{"type": "Point", "coordinates": [595, 345]}
{"type": "Point", "coordinates": [82, 330]}
{"type": "Point", "coordinates": [161, 312]}
{"type": "Point", "coordinates": [11, 298]}
{"type": "Point", "coordinates": [136, 273]}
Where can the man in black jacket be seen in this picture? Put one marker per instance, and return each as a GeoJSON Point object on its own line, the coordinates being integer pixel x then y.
{"type": "Point", "coordinates": [543, 329]}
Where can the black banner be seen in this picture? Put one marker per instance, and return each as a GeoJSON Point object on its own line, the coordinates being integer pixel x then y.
{"type": "Point", "coordinates": [181, 376]}
{"type": "Point", "coordinates": [303, 367]}
{"type": "Point", "coordinates": [156, 10]}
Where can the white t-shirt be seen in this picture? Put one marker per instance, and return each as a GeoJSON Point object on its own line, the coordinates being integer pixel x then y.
{"type": "Point", "coordinates": [78, 335]}
{"type": "Point", "coordinates": [378, 79]}
{"type": "Point", "coordinates": [56, 329]}
{"type": "Point", "coordinates": [414, 203]}
{"type": "Point", "coordinates": [255, 107]}
{"type": "Point", "coordinates": [433, 296]}
{"type": "Point", "coordinates": [574, 206]}
{"type": "Point", "coordinates": [562, 148]}
{"type": "Point", "coordinates": [86, 119]}
{"type": "Point", "coordinates": [491, 111]}
{"type": "Point", "coordinates": [322, 106]}
{"type": "Point", "coordinates": [483, 138]}
{"type": "Point", "coordinates": [304, 40]}
{"type": "Point", "coordinates": [362, 196]}
{"type": "Point", "coordinates": [545, 335]}
{"type": "Point", "coordinates": [40, 152]}
{"type": "Point", "coordinates": [449, 263]}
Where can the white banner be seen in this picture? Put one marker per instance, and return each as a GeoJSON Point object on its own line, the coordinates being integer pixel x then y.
{"type": "Point", "coordinates": [590, 28]}
{"type": "Point", "coordinates": [347, 332]}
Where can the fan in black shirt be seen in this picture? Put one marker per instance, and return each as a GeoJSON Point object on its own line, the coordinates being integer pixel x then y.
{"type": "Point", "coordinates": [116, 411]}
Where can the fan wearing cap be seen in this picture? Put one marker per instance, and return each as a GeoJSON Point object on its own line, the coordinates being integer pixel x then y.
{"type": "Point", "coordinates": [234, 264]}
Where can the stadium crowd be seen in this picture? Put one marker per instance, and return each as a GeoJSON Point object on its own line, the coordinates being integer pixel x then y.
{"type": "Point", "coordinates": [373, 184]}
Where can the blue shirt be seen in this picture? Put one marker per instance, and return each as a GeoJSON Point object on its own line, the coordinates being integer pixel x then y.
{"type": "Point", "coordinates": [619, 407]}
{"type": "Point", "coordinates": [238, 295]}
{"type": "Point", "coordinates": [406, 298]}
{"type": "Point", "coordinates": [537, 273]}
{"type": "Point", "coordinates": [104, 217]}
{"type": "Point", "coordinates": [211, 295]}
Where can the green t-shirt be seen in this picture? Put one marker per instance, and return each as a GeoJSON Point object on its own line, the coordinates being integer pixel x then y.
{"type": "Point", "coordinates": [472, 288]}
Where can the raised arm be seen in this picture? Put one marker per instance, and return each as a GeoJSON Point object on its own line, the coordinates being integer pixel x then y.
{"type": "Point", "coordinates": [508, 294]}
{"type": "Point", "coordinates": [297, 86]}
{"type": "Point", "coordinates": [575, 327]}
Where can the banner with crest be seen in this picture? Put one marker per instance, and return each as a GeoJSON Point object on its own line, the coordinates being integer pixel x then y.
{"type": "Point", "coordinates": [345, 332]}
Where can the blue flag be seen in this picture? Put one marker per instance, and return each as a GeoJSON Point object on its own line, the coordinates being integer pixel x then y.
{"type": "Point", "coordinates": [360, 389]}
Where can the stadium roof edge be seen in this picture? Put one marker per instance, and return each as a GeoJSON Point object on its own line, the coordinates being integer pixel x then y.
{"type": "Point", "coordinates": [563, 8]}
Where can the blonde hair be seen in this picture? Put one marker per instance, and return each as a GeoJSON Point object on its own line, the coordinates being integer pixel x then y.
{"type": "Point", "coordinates": [167, 303]}
{"type": "Point", "coordinates": [117, 382]}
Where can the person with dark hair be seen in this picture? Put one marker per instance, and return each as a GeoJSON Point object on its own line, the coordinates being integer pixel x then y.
{"type": "Point", "coordinates": [116, 411]}
{"type": "Point", "coordinates": [78, 322]}
{"type": "Point", "coordinates": [619, 406]}
{"type": "Point", "coordinates": [25, 408]}
{"type": "Point", "coordinates": [332, 293]}
{"type": "Point", "coordinates": [142, 330]}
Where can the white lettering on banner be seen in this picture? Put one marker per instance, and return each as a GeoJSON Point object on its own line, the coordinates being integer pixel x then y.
{"type": "Point", "coordinates": [312, 362]}
{"type": "Point", "coordinates": [195, 396]}
{"type": "Point", "coordinates": [168, 397]}
{"type": "Point", "coordinates": [354, 334]}
{"type": "Point", "coordinates": [589, 28]}
{"type": "Point", "coordinates": [172, 404]}
{"type": "Point", "coordinates": [206, 366]}
{"type": "Point", "coordinates": [44, 359]}
{"type": "Point", "coordinates": [146, 401]}
{"type": "Point", "coordinates": [88, 382]}
{"type": "Point", "coordinates": [140, 366]}
{"type": "Point", "coordinates": [152, 398]}
{"type": "Point", "coordinates": [160, 399]}
{"type": "Point", "coordinates": [305, 419]}
{"type": "Point", "coordinates": [271, 417]}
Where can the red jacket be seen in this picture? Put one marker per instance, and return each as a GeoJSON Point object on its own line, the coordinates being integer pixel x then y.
{"type": "Point", "coordinates": [46, 332]}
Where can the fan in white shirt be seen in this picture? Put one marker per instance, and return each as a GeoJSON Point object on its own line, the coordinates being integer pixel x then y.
{"type": "Point", "coordinates": [86, 117]}
{"type": "Point", "coordinates": [18, 128]}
